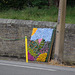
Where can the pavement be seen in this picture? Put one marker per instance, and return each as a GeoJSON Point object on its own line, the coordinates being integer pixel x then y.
{"type": "Point", "coordinates": [22, 68]}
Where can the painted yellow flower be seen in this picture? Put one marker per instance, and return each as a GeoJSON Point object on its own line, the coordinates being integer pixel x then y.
{"type": "Point", "coordinates": [42, 57]}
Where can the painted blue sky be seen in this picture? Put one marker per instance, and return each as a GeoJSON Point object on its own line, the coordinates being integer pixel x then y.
{"type": "Point", "coordinates": [45, 33]}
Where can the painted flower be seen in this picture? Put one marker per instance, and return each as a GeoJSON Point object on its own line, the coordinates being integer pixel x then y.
{"type": "Point", "coordinates": [42, 57]}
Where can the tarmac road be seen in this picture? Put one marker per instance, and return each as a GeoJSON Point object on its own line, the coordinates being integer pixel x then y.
{"type": "Point", "coordinates": [22, 68]}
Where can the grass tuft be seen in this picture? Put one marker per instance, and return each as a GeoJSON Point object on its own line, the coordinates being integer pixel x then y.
{"type": "Point", "coordinates": [36, 14]}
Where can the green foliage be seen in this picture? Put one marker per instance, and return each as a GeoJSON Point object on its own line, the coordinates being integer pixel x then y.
{"type": "Point", "coordinates": [41, 45]}
{"type": "Point", "coordinates": [20, 4]}
{"type": "Point", "coordinates": [39, 14]}
{"type": "Point", "coordinates": [71, 3]}
{"type": "Point", "coordinates": [33, 45]}
{"type": "Point", "coordinates": [16, 4]}
{"type": "Point", "coordinates": [32, 52]}
{"type": "Point", "coordinates": [40, 3]}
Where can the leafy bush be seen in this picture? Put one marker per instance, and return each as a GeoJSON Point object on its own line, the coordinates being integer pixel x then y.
{"type": "Point", "coordinates": [71, 3]}
{"type": "Point", "coordinates": [16, 4]}
{"type": "Point", "coordinates": [40, 3]}
{"type": "Point", "coordinates": [20, 4]}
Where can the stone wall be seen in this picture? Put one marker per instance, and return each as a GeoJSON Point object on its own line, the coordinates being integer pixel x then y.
{"type": "Point", "coordinates": [69, 45]}
{"type": "Point", "coordinates": [16, 29]}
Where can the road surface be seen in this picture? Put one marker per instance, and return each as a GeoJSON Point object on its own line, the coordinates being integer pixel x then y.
{"type": "Point", "coordinates": [22, 68]}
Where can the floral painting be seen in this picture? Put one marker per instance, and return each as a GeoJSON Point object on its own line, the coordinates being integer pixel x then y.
{"type": "Point", "coordinates": [39, 46]}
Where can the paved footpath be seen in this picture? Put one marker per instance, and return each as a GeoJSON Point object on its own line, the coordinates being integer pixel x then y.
{"type": "Point", "coordinates": [22, 68]}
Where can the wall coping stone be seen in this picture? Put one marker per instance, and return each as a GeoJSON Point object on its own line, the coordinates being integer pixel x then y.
{"type": "Point", "coordinates": [30, 23]}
